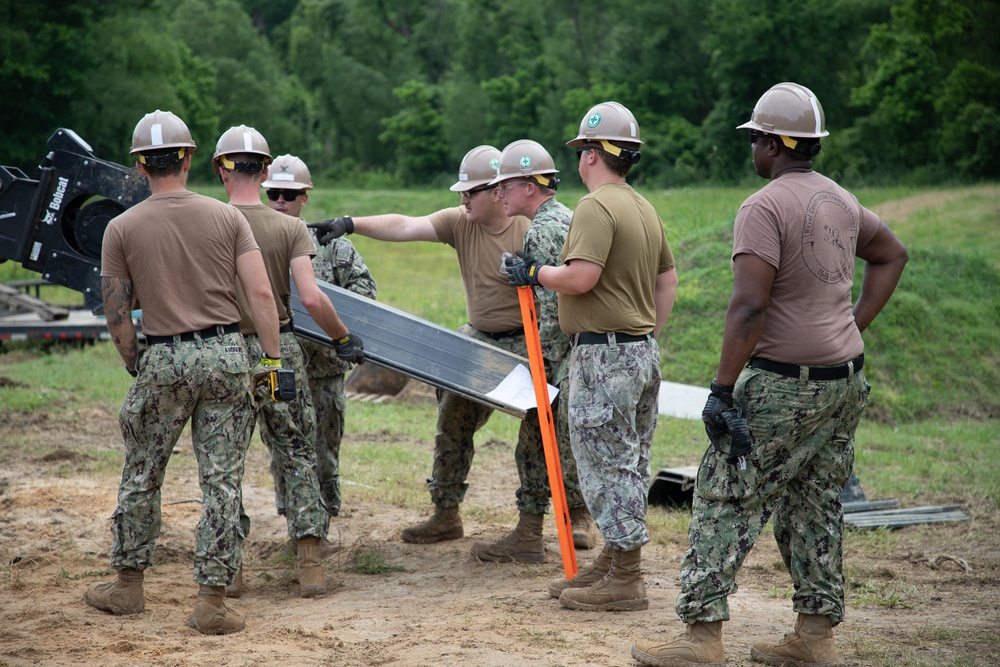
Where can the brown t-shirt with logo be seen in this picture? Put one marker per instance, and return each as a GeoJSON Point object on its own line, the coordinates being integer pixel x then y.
{"type": "Point", "coordinates": [281, 239]}
{"type": "Point", "coordinates": [615, 227]}
{"type": "Point", "coordinates": [179, 250]}
{"type": "Point", "coordinates": [491, 304]}
{"type": "Point", "coordinates": [808, 228]}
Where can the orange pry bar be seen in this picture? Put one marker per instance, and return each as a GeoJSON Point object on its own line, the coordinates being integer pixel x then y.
{"type": "Point", "coordinates": [559, 508]}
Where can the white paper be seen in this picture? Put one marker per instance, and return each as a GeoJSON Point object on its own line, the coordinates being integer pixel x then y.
{"type": "Point", "coordinates": [518, 390]}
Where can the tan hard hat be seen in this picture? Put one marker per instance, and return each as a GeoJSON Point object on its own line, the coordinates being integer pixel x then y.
{"type": "Point", "coordinates": [788, 109]}
{"type": "Point", "coordinates": [526, 158]}
{"type": "Point", "coordinates": [288, 172]}
{"type": "Point", "coordinates": [608, 121]}
{"type": "Point", "coordinates": [159, 130]}
{"type": "Point", "coordinates": [479, 167]}
{"type": "Point", "coordinates": [240, 139]}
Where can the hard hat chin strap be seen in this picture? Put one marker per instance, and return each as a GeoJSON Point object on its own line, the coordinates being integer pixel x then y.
{"type": "Point", "coordinates": [254, 167]}
{"type": "Point", "coordinates": [805, 146]}
{"type": "Point", "coordinates": [623, 154]}
{"type": "Point", "coordinates": [162, 160]}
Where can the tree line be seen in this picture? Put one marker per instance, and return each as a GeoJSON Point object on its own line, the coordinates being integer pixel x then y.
{"type": "Point", "coordinates": [389, 93]}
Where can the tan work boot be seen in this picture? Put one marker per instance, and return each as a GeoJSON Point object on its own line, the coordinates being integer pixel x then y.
{"type": "Point", "coordinates": [592, 574]}
{"type": "Point", "coordinates": [585, 532]}
{"type": "Point", "coordinates": [621, 589]}
{"type": "Point", "coordinates": [701, 644]}
{"type": "Point", "coordinates": [235, 589]}
{"type": "Point", "coordinates": [445, 524]}
{"type": "Point", "coordinates": [211, 616]}
{"type": "Point", "coordinates": [312, 579]}
{"type": "Point", "coordinates": [810, 644]}
{"type": "Point", "coordinates": [523, 545]}
{"type": "Point", "coordinates": [120, 597]}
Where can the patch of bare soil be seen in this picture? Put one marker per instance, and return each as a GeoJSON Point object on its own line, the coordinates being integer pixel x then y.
{"type": "Point", "coordinates": [929, 592]}
{"type": "Point", "coordinates": [900, 209]}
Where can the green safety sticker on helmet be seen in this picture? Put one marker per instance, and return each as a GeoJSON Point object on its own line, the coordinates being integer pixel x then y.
{"type": "Point", "coordinates": [495, 163]}
{"type": "Point", "coordinates": [594, 120]}
{"type": "Point", "coordinates": [525, 161]}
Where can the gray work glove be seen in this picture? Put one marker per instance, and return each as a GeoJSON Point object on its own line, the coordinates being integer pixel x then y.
{"type": "Point", "coordinates": [328, 230]}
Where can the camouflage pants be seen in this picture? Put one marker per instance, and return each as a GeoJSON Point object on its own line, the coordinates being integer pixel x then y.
{"type": "Point", "coordinates": [458, 420]}
{"type": "Point", "coordinates": [287, 428]}
{"type": "Point", "coordinates": [613, 408]}
{"type": "Point", "coordinates": [207, 382]}
{"type": "Point", "coordinates": [803, 456]}
{"type": "Point", "coordinates": [330, 402]}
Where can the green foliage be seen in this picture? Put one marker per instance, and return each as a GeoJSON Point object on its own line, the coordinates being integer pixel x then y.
{"type": "Point", "coordinates": [908, 86]}
{"type": "Point", "coordinates": [417, 132]}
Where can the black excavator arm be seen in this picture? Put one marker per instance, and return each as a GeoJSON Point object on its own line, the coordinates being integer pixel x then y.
{"type": "Point", "coordinates": [53, 222]}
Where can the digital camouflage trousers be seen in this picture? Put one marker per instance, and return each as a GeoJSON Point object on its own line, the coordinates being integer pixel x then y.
{"type": "Point", "coordinates": [613, 407]}
{"type": "Point", "coordinates": [207, 382]}
{"type": "Point", "coordinates": [802, 457]}
{"type": "Point", "coordinates": [458, 420]}
{"type": "Point", "coordinates": [287, 430]}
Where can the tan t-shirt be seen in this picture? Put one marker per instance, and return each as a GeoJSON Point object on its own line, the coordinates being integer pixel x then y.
{"type": "Point", "coordinates": [179, 250]}
{"type": "Point", "coordinates": [808, 228]}
{"type": "Point", "coordinates": [615, 227]}
{"type": "Point", "coordinates": [281, 238]}
{"type": "Point", "coordinates": [491, 304]}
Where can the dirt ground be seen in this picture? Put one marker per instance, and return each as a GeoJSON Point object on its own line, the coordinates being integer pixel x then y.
{"type": "Point", "coordinates": [443, 607]}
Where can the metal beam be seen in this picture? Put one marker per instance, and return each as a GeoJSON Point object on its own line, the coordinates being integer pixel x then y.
{"type": "Point", "coordinates": [415, 347]}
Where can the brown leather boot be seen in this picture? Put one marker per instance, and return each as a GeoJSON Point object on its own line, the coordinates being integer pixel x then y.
{"type": "Point", "coordinates": [211, 616]}
{"type": "Point", "coordinates": [592, 574]}
{"type": "Point", "coordinates": [523, 545]}
{"type": "Point", "coordinates": [445, 524]}
{"type": "Point", "coordinates": [701, 644]}
{"type": "Point", "coordinates": [120, 597]}
{"type": "Point", "coordinates": [585, 532]}
{"type": "Point", "coordinates": [312, 579]}
{"type": "Point", "coordinates": [235, 589]}
{"type": "Point", "coordinates": [810, 644]}
{"type": "Point", "coordinates": [621, 589]}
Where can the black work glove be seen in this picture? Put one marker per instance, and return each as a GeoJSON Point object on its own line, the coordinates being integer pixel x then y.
{"type": "Point", "coordinates": [350, 349]}
{"type": "Point", "coordinates": [328, 230]}
{"type": "Point", "coordinates": [522, 269]}
{"type": "Point", "coordinates": [718, 402]}
{"type": "Point", "coordinates": [739, 429]}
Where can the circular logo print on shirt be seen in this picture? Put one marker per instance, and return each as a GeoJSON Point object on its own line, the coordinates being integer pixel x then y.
{"type": "Point", "coordinates": [829, 238]}
{"type": "Point", "coordinates": [594, 120]}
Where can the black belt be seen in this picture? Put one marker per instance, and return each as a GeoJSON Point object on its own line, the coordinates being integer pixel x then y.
{"type": "Point", "coordinates": [188, 336]}
{"type": "Point", "coordinates": [288, 328]}
{"type": "Point", "coordinates": [497, 335]}
{"type": "Point", "coordinates": [812, 372]}
{"type": "Point", "coordinates": [588, 338]}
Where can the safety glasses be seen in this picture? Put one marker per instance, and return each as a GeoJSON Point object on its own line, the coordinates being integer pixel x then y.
{"type": "Point", "coordinates": [289, 195]}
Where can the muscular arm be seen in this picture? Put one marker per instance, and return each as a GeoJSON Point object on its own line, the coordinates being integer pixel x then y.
{"type": "Point", "coordinates": [253, 277]}
{"type": "Point", "coordinates": [666, 291]}
{"type": "Point", "coordinates": [395, 227]}
{"type": "Point", "coordinates": [577, 276]}
{"type": "Point", "coordinates": [317, 303]}
{"type": "Point", "coordinates": [745, 316]}
{"type": "Point", "coordinates": [884, 258]}
{"type": "Point", "coordinates": [118, 295]}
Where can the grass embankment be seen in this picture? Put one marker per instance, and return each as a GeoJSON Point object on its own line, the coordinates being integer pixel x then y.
{"type": "Point", "coordinates": [933, 353]}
